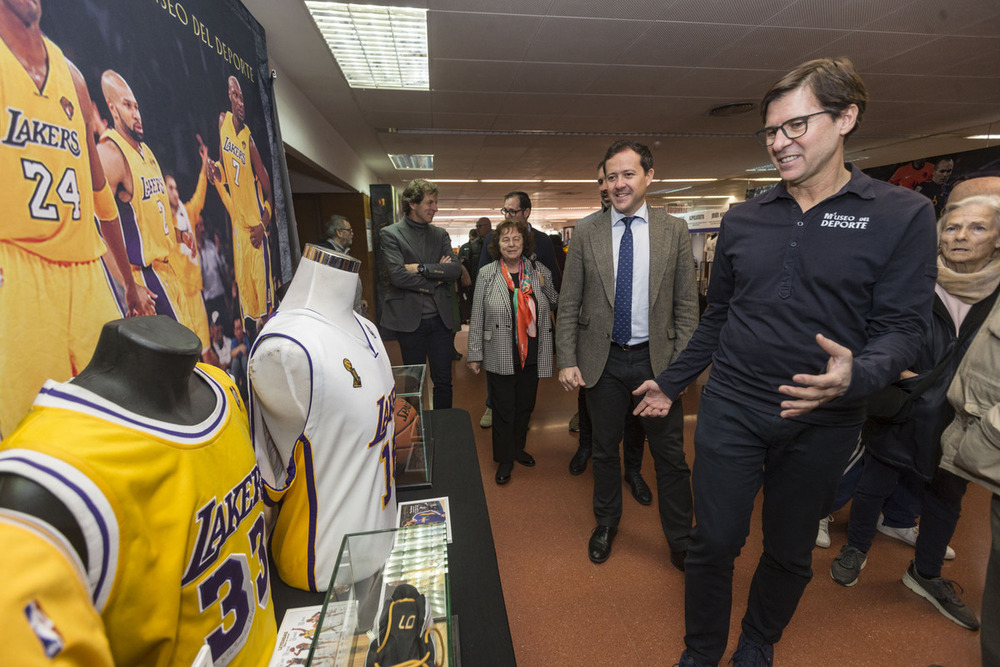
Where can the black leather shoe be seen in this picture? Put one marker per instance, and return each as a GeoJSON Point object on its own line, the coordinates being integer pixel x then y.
{"type": "Point", "coordinates": [503, 473]}
{"type": "Point", "coordinates": [599, 548]}
{"type": "Point", "coordinates": [640, 490]}
{"type": "Point", "coordinates": [578, 464]}
{"type": "Point", "coordinates": [677, 559]}
{"type": "Point", "coordinates": [525, 459]}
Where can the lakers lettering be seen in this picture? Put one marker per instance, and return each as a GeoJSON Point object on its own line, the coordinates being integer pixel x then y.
{"type": "Point", "coordinates": [217, 521]}
{"type": "Point", "coordinates": [152, 186]}
{"type": "Point", "coordinates": [23, 131]}
{"type": "Point", "coordinates": [236, 151]}
{"type": "Point", "coordinates": [385, 408]}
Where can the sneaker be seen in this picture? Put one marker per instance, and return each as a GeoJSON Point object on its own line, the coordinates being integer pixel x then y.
{"type": "Point", "coordinates": [823, 536]}
{"type": "Point", "coordinates": [487, 420]}
{"type": "Point", "coordinates": [846, 567]}
{"type": "Point", "coordinates": [574, 423]}
{"type": "Point", "coordinates": [940, 592]}
{"type": "Point", "coordinates": [752, 654]}
{"type": "Point", "coordinates": [907, 535]}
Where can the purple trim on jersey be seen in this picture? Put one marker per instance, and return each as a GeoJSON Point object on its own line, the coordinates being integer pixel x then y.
{"type": "Point", "coordinates": [109, 279]}
{"type": "Point", "coordinates": [311, 492]}
{"type": "Point", "coordinates": [162, 303]}
{"type": "Point", "coordinates": [130, 230]}
{"type": "Point", "coordinates": [144, 424]}
{"type": "Point", "coordinates": [265, 336]}
{"type": "Point", "coordinates": [368, 339]}
{"type": "Point", "coordinates": [268, 297]}
{"type": "Point", "coordinates": [105, 532]}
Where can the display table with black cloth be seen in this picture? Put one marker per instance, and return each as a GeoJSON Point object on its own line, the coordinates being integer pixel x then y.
{"type": "Point", "coordinates": [475, 590]}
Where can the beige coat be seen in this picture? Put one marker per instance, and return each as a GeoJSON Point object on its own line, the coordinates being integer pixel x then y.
{"type": "Point", "coordinates": [586, 301]}
{"type": "Point", "coordinates": [970, 446]}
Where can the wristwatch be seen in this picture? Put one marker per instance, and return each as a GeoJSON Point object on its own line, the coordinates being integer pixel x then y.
{"type": "Point", "coordinates": [421, 268]}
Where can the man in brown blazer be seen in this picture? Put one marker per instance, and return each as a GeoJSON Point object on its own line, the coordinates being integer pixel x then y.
{"type": "Point", "coordinates": [628, 307]}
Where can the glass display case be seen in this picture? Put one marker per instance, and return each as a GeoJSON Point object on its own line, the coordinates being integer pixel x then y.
{"type": "Point", "coordinates": [356, 612]}
{"type": "Point", "coordinates": [413, 442]}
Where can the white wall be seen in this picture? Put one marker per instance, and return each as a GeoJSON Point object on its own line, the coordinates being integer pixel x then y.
{"type": "Point", "coordinates": [305, 129]}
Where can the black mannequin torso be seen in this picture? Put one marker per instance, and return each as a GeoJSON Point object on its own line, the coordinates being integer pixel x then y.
{"type": "Point", "coordinates": [143, 364]}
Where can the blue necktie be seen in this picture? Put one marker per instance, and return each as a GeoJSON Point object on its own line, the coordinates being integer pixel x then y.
{"type": "Point", "coordinates": [621, 333]}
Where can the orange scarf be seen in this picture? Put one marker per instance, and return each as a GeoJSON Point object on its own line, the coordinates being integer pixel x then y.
{"type": "Point", "coordinates": [524, 308]}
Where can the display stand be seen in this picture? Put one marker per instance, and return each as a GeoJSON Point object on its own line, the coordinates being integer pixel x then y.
{"type": "Point", "coordinates": [475, 594]}
{"type": "Point", "coordinates": [355, 609]}
{"type": "Point", "coordinates": [414, 443]}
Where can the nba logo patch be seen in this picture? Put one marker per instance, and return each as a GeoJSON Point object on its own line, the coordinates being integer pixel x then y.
{"type": "Point", "coordinates": [44, 629]}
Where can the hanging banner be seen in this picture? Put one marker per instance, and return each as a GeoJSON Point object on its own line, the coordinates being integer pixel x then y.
{"type": "Point", "coordinates": [171, 105]}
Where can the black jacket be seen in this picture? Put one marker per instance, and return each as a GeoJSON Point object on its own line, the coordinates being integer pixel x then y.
{"type": "Point", "coordinates": [915, 445]}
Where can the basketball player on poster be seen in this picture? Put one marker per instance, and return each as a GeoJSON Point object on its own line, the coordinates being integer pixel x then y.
{"type": "Point", "coordinates": [55, 290]}
{"type": "Point", "coordinates": [245, 188]}
{"type": "Point", "coordinates": [135, 176]}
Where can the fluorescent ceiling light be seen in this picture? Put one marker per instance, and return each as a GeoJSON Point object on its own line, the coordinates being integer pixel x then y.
{"type": "Point", "coordinates": [511, 180]}
{"type": "Point", "coordinates": [570, 180]}
{"type": "Point", "coordinates": [701, 197]}
{"type": "Point", "coordinates": [376, 47]}
{"type": "Point", "coordinates": [772, 179]}
{"type": "Point", "coordinates": [984, 136]}
{"type": "Point", "coordinates": [455, 180]}
{"type": "Point", "coordinates": [685, 180]}
{"type": "Point", "coordinates": [764, 167]}
{"type": "Point", "coordinates": [421, 162]}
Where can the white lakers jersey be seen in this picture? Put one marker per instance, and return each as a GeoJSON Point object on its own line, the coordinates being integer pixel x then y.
{"type": "Point", "coordinates": [337, 478]}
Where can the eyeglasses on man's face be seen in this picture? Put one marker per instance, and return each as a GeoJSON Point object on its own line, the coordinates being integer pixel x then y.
{"type": "Point", "coordinates": [511, 212]}
{"type": "Point", "coordinates": [793, 128]}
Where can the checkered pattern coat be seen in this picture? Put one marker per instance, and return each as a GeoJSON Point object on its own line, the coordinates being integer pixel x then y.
{"type": "Point", "coordinates": [491, 329]}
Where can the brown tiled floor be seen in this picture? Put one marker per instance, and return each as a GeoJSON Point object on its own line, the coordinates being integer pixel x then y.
{"type": "Point", "coordinates": [629, 611]}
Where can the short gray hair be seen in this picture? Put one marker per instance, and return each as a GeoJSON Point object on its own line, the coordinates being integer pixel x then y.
{"type": "Point", "coordinates": [335, 223]}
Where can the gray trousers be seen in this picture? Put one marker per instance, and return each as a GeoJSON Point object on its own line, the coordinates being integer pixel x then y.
{"type": "Point", "coordinates": [989, 633]}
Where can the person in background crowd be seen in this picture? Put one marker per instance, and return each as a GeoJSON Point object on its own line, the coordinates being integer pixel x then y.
{"type": "Point", "coordinates": [969, 442]}
{"type": "Point", "coordinates": [421, 267]}
{"type": "Point", "coordinates": [513, 304]}
{"type": "Point", "coordinates": [968, 277]}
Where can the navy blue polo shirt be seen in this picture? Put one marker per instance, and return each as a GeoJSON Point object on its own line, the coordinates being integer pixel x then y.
{"type": "Point", "coordinates": [859, 268]}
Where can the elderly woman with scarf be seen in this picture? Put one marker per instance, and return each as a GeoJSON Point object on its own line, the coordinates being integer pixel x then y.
{"type": "Point", "coordinates": [966, 289]}
{"type": "Point", "coordinates": [510, 336]}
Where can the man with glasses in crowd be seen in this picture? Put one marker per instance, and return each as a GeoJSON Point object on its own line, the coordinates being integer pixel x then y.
{"type": "Point", "coordinates": [820, 292]}
{"type": "Point", "coordinates": [339, 237]}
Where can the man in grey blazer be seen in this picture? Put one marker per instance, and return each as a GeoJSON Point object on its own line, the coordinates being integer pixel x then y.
{"type": "Point", "coordinates": [421, 265]}
{"type": "Point", "coordinates": [627, 308]}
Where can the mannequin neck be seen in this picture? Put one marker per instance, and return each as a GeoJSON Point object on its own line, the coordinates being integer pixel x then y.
{"type": "Point", "coordinates": [323, 289]}
{"type": "Point", "coordinates": [145, 365]}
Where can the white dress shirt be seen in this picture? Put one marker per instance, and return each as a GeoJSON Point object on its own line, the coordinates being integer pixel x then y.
{"type": "Point", "coordinates": [640, 268]}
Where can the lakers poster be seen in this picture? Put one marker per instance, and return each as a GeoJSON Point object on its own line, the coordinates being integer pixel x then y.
{"type": "Point", "coordinates": [141, 170]}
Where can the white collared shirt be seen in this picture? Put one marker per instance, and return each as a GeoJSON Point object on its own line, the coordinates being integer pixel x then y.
{"type": "Point", "coordinates": [640, 268]}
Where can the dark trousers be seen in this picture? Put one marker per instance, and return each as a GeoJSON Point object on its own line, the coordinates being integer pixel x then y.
{"type": "Point", "coordinates": [431, 342]}
{"type": "Point", "coordinates": [940, 505]}
{"type": "Point", "coordinates": [513, 401]}
{"type": "Point", "coordinates": [989, 632]}
{"type": "Point", "coordinates": [940, 511]}
{"type": "Point", "coordinates": [632, 440]}
{"type": "Point", "coordinates": [608, 400]}
{"type": "Point", "coordinates": [899, 510]}
{"type": "Point", "coordinates": [737, 451]}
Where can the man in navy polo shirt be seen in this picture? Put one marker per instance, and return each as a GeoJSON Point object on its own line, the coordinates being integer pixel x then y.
{"type": "Point", "coordinates": [820, 290]}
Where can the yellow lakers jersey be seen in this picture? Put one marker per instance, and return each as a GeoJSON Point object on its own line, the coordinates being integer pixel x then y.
{"type": "Point", "coordinates": [187, 263]}
{"type": "Point", "coordinates": [45, 611]}
{"type": "Point", "coordinates": [234, 151]}
{"type": "Point", "coordinates": [48, 192]}
{"type": "Point", "coordinates": [172, 516]}
{"type": "Point", "coordinates": [146, 220]}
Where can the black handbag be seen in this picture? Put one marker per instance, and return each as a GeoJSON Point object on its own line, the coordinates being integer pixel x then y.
{"type": "Point", "coordinates": [893, 404]}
